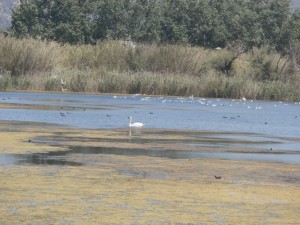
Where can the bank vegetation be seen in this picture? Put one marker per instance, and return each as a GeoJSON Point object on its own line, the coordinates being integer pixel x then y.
{"type": "Point", "coordinates": [125, 67]}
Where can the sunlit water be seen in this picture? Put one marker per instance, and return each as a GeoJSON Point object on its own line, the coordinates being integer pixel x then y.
{"type": "Point", "coordinates": [265, 120]}
{"type": "Point", "coordinates": [106, 112]}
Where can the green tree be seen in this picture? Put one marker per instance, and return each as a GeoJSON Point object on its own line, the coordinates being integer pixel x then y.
{"type": "Point", "coordinates": [208, 23]}
{"type": "Point", "coordinates": [295, 26]}
{"type": "Point", "coordinates": [274, 18]}
{"type": "Point", "coordinates": [60, 20]}
{"type": "Point", "coordinates": [145, 23]}
{"type": "Point", "coordinates": [174, 21]}
{"type": "Point", "coordinates": [25, 20]}
{"type": "Point", "coordinates": [111, 19]}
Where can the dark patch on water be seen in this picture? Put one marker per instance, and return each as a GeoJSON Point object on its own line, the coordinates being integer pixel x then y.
{"type": "Point", "coordinates": [36, 159]}
{"type": "Point", "coordinates": [200, 141]}
{"type": "Point", "coordinates": [188, 154]}
{"type": "Point", "coordinates": [61, 157]}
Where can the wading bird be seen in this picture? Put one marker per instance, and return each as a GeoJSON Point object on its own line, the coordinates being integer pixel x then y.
{"type": "Point", "coordinates": [62, 83]}
{"type": "Point", "coordinates": [136, 124]}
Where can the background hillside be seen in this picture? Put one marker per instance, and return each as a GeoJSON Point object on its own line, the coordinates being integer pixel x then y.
{"type": "Point", "coordinates": [6, 7]}
{"type": "Point", "coordinates": [296, 3]}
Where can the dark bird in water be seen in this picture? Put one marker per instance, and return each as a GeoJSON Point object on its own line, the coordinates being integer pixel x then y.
{"type": "Point", "coordinates": [218, 177]}
{"type": "Point", "coordinates": [29, 140]}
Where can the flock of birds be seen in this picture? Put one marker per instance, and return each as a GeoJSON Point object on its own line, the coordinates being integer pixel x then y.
{"type": "Point", "coordinates": [130, 124]}
{"type": "Point", "coordinates": [133, 124]}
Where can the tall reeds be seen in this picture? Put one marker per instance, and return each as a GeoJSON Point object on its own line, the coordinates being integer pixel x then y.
{"type": "Point", "coordinates": [27, 56]}
{"type": "Point", "coordinates": [115, 67]}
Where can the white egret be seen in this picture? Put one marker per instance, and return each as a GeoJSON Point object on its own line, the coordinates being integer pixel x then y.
{"type": "Point", "coordinates": [136, 124]}
{"type": "Point", "coordinates": [62, 83]}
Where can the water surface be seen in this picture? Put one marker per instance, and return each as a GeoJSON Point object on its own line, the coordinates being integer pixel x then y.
{"type": "Point", "coordinates": [61, 157]}
{"type": "Point", "coordinates": [106, 112]}
{"type": "Point", "coordinates": [260, 124]}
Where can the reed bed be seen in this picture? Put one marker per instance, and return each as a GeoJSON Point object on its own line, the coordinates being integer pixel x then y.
{"type": "Point", "coordinates": [116, 67]}
{"type": "Point", "coordinates": [27, 56]}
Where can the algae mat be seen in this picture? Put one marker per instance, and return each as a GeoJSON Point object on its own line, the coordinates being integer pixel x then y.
{"type": "Point", "coordinates": [120, 189]}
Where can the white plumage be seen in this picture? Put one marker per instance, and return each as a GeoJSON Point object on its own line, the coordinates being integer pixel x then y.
{"type": "Point", "coordinates": [136, 124]}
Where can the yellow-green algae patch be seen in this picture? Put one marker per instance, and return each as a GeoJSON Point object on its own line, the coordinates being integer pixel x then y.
{"type": "Point", "coordinates": [15, 138]}
{"type": "Point", "coordinates": [111, 189]}
{"type": "Point", "coordinates": [107, 193]}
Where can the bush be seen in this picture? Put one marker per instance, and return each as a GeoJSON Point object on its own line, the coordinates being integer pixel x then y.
{"type": "Point", "coordinates": [222, 62]}
{"type": "Point", "coordinates": [276, 90]}
{"type": "Point", "coordinates": [5, 82]}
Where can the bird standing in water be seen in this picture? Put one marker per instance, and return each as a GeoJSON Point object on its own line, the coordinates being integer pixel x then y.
{"type": "Point", "coordinates": [136, 124]}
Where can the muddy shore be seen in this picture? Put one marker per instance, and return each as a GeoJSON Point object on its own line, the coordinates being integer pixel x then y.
{"type": "Point", "coordinates": [137, 188]}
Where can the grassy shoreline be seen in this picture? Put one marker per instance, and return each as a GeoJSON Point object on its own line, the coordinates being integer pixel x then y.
{"type": "Point", "coordinates": [170, 70]}
{"type": "Point", "coordinates": [120, 189]}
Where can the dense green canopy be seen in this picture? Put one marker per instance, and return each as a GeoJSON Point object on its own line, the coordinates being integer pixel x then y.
{"type": "Point", "coordinates": [207, 23]}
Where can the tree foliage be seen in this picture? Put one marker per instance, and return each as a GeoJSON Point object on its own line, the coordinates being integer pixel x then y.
{"type": "Point", "coordinates": [207, 23]}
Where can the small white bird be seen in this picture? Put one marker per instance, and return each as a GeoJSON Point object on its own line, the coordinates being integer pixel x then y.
{"type": "Point", "coordinates": [136, 124]}
{"type": "Point", "coordinates": [62, 83]}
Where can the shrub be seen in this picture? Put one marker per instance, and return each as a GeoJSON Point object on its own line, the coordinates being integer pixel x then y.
{"type": "Point", "coordinates": [5, 82]}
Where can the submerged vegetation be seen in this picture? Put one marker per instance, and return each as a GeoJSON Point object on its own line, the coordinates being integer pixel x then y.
{"type": "Point", "coordinates": [128, 68]}
{"type": "Point", "coordinates": [130, 189]}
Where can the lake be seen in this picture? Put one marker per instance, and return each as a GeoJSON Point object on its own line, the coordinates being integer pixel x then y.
{"type": "Point", "coordinates": [108, 112]}
{"type": "Point", "coordinates": [275, 125]}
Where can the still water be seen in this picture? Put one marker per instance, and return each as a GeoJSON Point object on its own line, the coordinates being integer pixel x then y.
{"type": "Point", "coordinates": [61, 157]}
{"type": "Point", "coordinates": [108, 111]}
{"type": "Point", "coordinates": [275, 123]}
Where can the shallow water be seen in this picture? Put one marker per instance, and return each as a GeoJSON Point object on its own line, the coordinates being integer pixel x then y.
{"type": "Point", "coordinates": [107, 112]}
{"type": "Point", "coordinates": [134, 176]}
{"type": "Point", "coordinates": [253, 124]}
{"type": "Point", "coordinates": [61, 157]}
